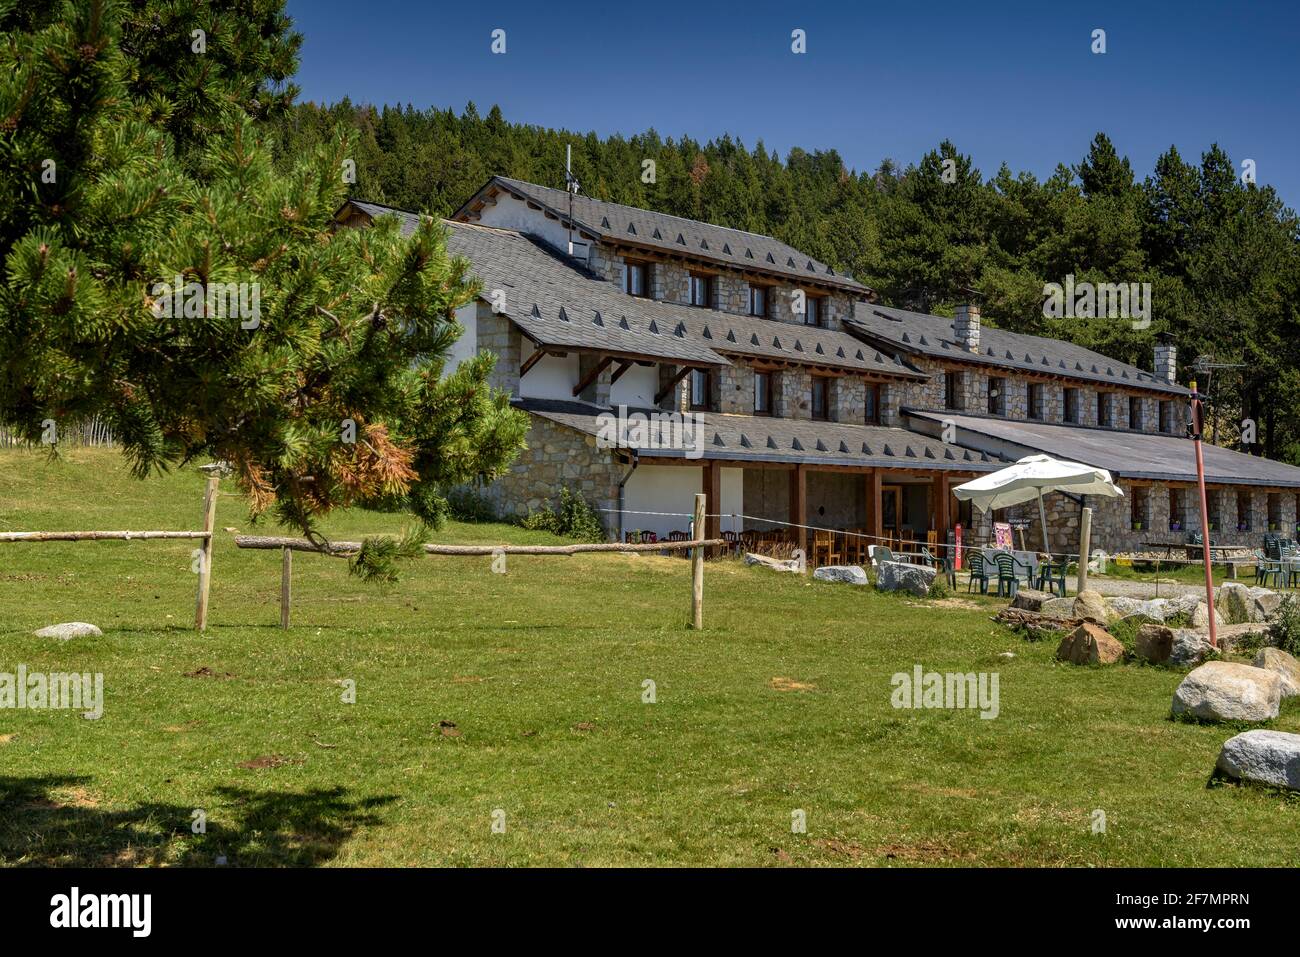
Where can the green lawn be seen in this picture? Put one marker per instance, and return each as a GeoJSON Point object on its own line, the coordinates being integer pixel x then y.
{"type": "Point", "coordinates": [781, 704]}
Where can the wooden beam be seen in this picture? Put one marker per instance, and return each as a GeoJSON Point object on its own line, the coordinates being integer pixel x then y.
{"type": "Point", "coordinates": [681, 374]}
{"type": "Point", "coordinates": [798, 513]}
{"type": "Point", "coordinates": [530, 362]}
{"type": "Point", "coordinates": [875, 508]}
{"type": "Point", "coordinates": [592, 375]}
{"type": "Point", "coordinates": [623, 366]}
{"type": "Point", "coordinates": [712, 488]}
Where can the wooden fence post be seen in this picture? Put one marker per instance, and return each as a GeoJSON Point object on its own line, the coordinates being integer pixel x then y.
{"type": "Point", "coordinates": [205, 563]}
{"type": "Point", "coordinates": [1085, 542]}
{"type": "Point", "coordinates": [286, 584]}
{"type": "Point", "coordinates": [697, 565]}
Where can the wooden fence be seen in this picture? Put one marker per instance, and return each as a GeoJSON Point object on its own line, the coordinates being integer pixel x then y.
{"type": "Point", "coordinates": [91, 433]}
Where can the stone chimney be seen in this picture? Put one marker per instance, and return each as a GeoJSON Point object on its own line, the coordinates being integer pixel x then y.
{"type": "Point", "coordinates": [1166, 358]}
{"type": "Point", "coordinates": [966, 327]}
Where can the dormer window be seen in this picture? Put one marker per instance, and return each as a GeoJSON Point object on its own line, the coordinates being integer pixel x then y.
{"type": "Point", "coordinates": [1035, 405]}
{"type": "Point", "coordinates": [700, 390]}
{"type": "Point", "coordinates": [820, 391]}
{"type": "Point", "coordinates": [1103, 410]}
{"type": "Point", "coordinates": [952, 391]}
{"type": "Point", "coordinates": [758, 300]}
{"type": "Point", "coordinates": [636, 278]}
{"type": "Point", "coordinates": [1166, 418]}
{"type": "Point", "coordinates": [762, 393]}
{"type": "Point", "coordinates": [701, 290]}
{"type": "Point", "coordinates": [1134, 413]}
{"type": "Point", "coordinates": [873, 404]}
{"type": "Point", "coordinates": [1071, 399]}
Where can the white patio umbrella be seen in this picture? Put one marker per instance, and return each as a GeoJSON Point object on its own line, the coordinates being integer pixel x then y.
{"type": "Point", "coordinates": [1029, 478]}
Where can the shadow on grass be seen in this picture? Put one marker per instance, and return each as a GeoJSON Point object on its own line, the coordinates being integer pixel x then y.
{"type": "Point", "coordinates": [50, 821]}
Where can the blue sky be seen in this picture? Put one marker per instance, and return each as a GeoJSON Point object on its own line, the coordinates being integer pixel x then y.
{"type": "Point", "coordinates": [1014, 82]}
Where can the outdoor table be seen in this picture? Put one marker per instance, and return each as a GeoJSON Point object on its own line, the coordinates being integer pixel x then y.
{"type": "Point", "coordinates": [1024, 559]}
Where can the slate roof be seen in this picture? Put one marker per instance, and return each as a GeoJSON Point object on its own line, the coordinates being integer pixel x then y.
{"type": "Point", "coordinates": [1139, 455]}
{"type": "Point", "coordinates": [558, 302]}
{"type": "Point", "coordinates": [762, 439]}
{"type": "Point", "coordinates": [917, 333]}
{"type": "Point", "coordinates": [614, 222]}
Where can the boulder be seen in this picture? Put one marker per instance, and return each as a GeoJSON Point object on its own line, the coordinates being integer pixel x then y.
{"type": "Point", "coordinates": [1155, 643]}
{"type": "Point", "coordinates": [1125, 607]}
{"type": "Point", "coordinates": [1286, 667]}
{"type": "Point", "coordinates": [1191, 648]}
{"type": "Point", "coordinates": [1231, 637]}
{"type": "Point", "coordinates": [1090, 644]}
{"type": "Point", "coordinates": [1234, 603]}
{"type": "Point", "coordinates": [69, 629]}
{"type": "Point", "coordinates": [847, 574]}
{"type": "Point", "coordinates": [1265, 757]}
{"type": "Point", "coordinates": [776, 564]}
{"type": "Point", "coordinates": [1030, 599]}
{"type": "Point", "coordinates": [915, 579]}
{"type": "Point", "coordinates": [1089, 605]}
{"type": "Point", "coordinates": [1227, 691]}
{"type": "Point", "coordinates": [1201, 617]}
{"type": "Point", "coordinates": [1264, 604]}
{"type": "Point", "coordinates": [1181, 605]}
{"type": "Point", "coordinates": [1058, 608]}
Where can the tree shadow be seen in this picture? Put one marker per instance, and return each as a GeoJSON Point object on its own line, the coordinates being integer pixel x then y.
{"type": "Point", "coordinates": [51, 821]}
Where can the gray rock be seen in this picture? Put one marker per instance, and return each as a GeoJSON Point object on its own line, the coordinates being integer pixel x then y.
{"type": "Point", "coordinates": [848, 574]}
{"type": "Point", "coordinates": [1234, 603]}
{"type": "Point", "coordinates": [1265, 757]}
{"type": "Point", "coordinates": [1030, 599]}
{"type": "Point", "coordinates": [1058, 608]}
{"type": "Point", "coordinates": [1264, 604]}
{"type": "Point", "coordinates": [1181, 605]}
{"type": "Point", "coordinates": [1286, 667]}
{"type": "Point", "coordinates": [915, 579]}
{"type": "Point", "coordinates": [70, 629]}
{"type": "Point", "coordinates": [776, 564]}
{"type": "Point", "coordinates": [1201, 617]}
{"type": "Point", "coordinates": [1126, 607]}
{"type": "Point", "coordinates": [1090, 605]}
{"type": "Point", "coordinates": [1191, 647]}
{"type": "Point", "coordinates": [1227, 691]}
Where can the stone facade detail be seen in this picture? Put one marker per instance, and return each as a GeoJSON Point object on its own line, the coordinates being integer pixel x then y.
{"type": "Point", "coordinates": [735, 389]}
{"type": "Point", "coordinates": [847, 400]}
{"type": "Point", "coordinates": [501, 337]}
{"type": "Point", "coordinates": [792, 396]}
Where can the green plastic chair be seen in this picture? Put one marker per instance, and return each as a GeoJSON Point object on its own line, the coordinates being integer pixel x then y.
{"type": "Point", "coordinates": [1008, 580]}
{"type": "Point", "coordinates": [1052, 576]}
{"type": "Point", "coordinates": [977, 573]}
{"type": "Point", "coordinates": [940, 565]}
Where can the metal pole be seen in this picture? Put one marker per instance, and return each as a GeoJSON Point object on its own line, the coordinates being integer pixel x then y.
{"type": "Point", "coordinates": [1198, 417]}
{"type": "Point", "coordinates": [1042, 517]}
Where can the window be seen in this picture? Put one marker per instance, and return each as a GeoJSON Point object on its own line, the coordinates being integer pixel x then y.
{"type": "Point", "coordinates": [1072, 406]}
{"type": "Point", "coordinates": [700, 382]}
{"type": "Point", "coordinates": [1214, 508]}
{"type": "Point", "coordinates": [997, 396]}
{"type": "Point", "coordinates": [1134, 413]}
{"type": "Point", "coordinates": [952, 391]}
{"type": "Point", "coordinates": [1243, 511]}
{"type": "Point", "coordinates": [1035, 404]}
{"type": "Point", "coordinates": [1103, 409]}
{"type": "Point", "coordinates": [814, 311]}
{"type": "Point", "coordinates": [636, 278]}
{"type": "Point", "coordinates": [758, 300]}
{"type": "Point", "coordinates": [1139, 505]}
{"type": "Point", "coordinates": [701, 290]}
{"type": "Point", "coordinates": [762, 393]}
{"type": "Point", "coordinates": [1177, 505]}
{"type": "Point", "coordinates": [820, 390]}
{"type": "Point", "coordinates": [1274, 512]}
{"type": "Point", "coordinates": [873, 404]}
{"type": "Point", "coordinates": [1166, 418]}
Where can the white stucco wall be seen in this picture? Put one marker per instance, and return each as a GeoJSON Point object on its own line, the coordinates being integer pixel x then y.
{"type": "Point", "coordinates": [636, 388]}
{"type": "Point", "coordinates": [467, 345]}
{"type": "Point", "coordinates": [671, 488]}
{"type": "Point", "coordinates": [510, 213]}
{"type": "Point", "coordinates": [552, 378]}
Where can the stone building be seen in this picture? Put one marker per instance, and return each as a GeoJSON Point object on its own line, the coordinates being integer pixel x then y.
{"type": "Point", "coordinates": [780, 387]}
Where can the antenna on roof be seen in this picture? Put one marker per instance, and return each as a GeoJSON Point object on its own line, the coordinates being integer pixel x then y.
{"type": "Point", "coordinates": [570, 187]}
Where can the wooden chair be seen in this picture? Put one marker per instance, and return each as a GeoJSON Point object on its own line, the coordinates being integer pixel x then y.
{"type": "Point", "coordinates": [855, 547]}
{"type": "Point", "coordinates": [733, 542]}
{"type": "Point", "coordinates": [678, 537]}
{"type": "Point", "coordinates": [824, 545]}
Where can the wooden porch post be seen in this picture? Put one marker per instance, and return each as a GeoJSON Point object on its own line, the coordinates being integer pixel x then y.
{"type": "Point", "coordinates": [875, 509]}
{"type": "Point", "coordinates": [712, 487]}
{"type": "Point", "coordinates": [798, 514]}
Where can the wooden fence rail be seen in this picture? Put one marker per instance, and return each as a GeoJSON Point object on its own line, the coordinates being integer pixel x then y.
{"type": "Point", "coordinates": [287, 546]}
{"type": "Point", "coordinates": [124, 536]}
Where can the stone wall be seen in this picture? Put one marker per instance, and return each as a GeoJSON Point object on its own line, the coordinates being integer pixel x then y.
{"type": "Point", "coordinates": [792, 394]}
{"type": "Point", "coordinates": [735, 389]}
{"type": "Point", "coordinates": [500, 336]}
{"type": "Point", "coordinates": [557, 458]}
{"type": "Point", "coordinates": [847, 400]}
